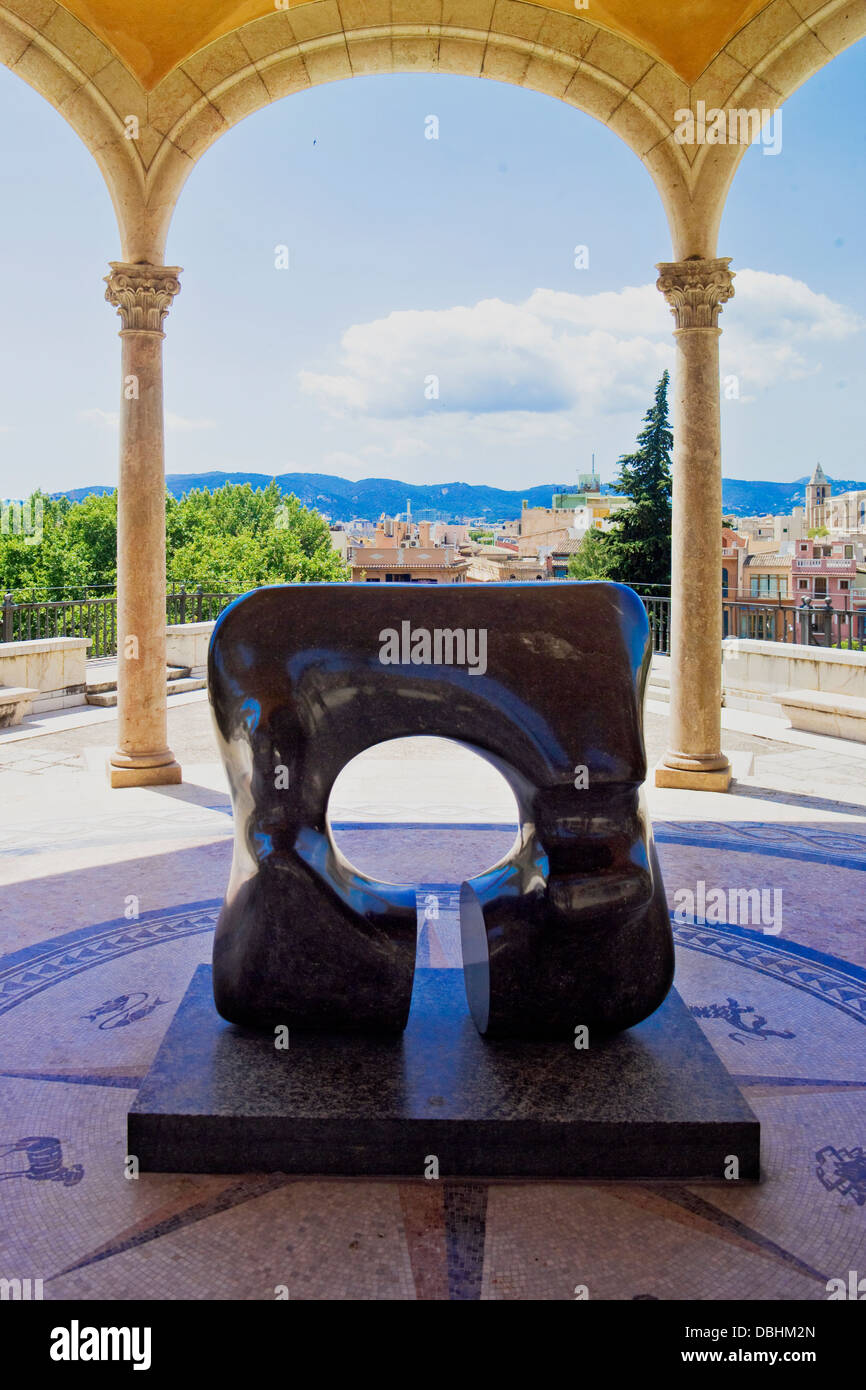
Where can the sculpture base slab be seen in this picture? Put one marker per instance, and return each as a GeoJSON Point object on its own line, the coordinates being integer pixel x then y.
{"type": "Point", "coordinates": [652, 1103]}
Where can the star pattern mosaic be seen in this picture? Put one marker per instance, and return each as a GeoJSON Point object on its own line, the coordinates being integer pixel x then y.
{"type": "Point", "coordinates": [82, 1015]}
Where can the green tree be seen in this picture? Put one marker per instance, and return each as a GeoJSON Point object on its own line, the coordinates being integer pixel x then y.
{"type": "Point", "coordinates": [233, 539]}
{"type": "Point", "coordinates": [36, 550]}
{"type": "Point", "coordinates": [638, 544]}
{"type": "Point", "coordinates": [590, 561]}
{"type": "Point", "coordinates": [238, 538]}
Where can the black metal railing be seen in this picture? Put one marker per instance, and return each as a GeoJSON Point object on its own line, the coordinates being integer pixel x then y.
{"type": "Point", "coordinates": [96, 618]}
{"type": "Point", "coordinates": [659, 614]}
{"type": "Point", "coordinates": [37, 619]}
{"type": "Point", "coordinates": [815, 623]}
{"type": "Point", "coordinates": [195, 605]}
{"type": "Point", "coordinates": [812, 624]}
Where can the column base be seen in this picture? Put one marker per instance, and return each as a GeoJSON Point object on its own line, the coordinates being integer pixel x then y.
{"type": "Point", "coordinates": [145, 772]}
{"type": "Point", "coordinates": [694, 779]}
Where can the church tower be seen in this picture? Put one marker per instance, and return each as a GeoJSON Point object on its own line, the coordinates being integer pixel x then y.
{"type": "Point", "coordinates": [818, 490]}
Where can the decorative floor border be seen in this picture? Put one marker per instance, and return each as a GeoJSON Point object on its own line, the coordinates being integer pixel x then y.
{"type": "Point", "coordinates": [837, 848]}
{"type": "Point", "coordinates": [827, 978]}
{"type": "Point", "coordinates": [37, 968]}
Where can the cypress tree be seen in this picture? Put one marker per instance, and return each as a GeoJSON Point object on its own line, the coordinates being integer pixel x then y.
{"type": "Point", "coordinates": [638, 544]}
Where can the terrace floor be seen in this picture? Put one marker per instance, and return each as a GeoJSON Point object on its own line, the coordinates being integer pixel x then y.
{"type": "Point", "coordinates": [87, 990]}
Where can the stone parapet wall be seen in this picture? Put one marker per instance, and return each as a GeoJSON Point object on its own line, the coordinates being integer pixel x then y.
{"type": "Point", "coordinates": [755, 673]}
{"type": "Point", "coordinates": [186, 644]}
{"type": "Point", "coordinates": [54, 666]}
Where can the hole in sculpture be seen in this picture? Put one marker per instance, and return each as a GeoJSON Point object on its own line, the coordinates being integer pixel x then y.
{"type": "Point", "coordinates": [422, 811]}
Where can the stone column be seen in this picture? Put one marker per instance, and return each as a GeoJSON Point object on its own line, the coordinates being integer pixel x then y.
{"type": "Point", "coordinates": [142, 295]}
{"type": "Point", "coordinates": [696, 289]}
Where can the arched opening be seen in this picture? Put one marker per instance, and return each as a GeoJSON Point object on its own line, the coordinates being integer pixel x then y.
{"type": "Point", "coordinates": [430, 812]}
{"type": "Point", "coordinates": [797, 252]}
{"type": "Point", "coordinates": [343, 339]}
{"type": "Point", "coordinates": [46, 167]}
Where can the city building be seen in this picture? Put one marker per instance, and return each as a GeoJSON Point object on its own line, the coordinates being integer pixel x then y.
{"type": "Point", "coordinates": [493, 564]}
{"type": "Point", "coordinates": [560, 558]}
{"type": "Point", "coordinates": [450, 533]}
{"type": "Point", "coordinates": [735, 548]}
{"type": "Point", "coordinates": [832, 572]}
{"type": "Point", "coordinates": [544, 530]}
{"type": "Point", "coordinates": [847, 513]}
{"type": "Point", "coordinates": [340, 541]}
{"type": "Point", "coordinates": [404, 552]}
{"type": "Point", "coordinates": [842, 515]}
{"type": "Point", "coordinates": [824, 576]}
{"type": "Point", "coordinates": [779, 529]}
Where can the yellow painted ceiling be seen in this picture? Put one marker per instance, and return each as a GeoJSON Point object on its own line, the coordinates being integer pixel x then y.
{"type": "Point", "coordinates": [154, 36]}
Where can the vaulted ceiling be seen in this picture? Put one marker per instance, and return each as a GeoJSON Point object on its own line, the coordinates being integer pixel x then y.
{"type": "Point", "coordinates": [154, 36]}
{"type": "Point", "coordinates": [184, 74]}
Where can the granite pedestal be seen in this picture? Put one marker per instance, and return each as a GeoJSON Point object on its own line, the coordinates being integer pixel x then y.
{"type": "Point", "coordinates": [654, 1102]}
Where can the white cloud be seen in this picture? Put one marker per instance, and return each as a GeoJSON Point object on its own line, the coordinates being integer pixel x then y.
{"type": "Point", "coordinates": [344, 465]}
{"type": "Point", "coordinates": [775, 327]}
{"type": "Point", "coordinates": [404, 446]}
{"type": "Point", "coordinates": [107, 419]}
{"type": "Point", "coordinates": [559, 353]}
{"type": "Point", "coordinates": [180, 422]}
{"type": "Point", "coordinates": [110, 419]}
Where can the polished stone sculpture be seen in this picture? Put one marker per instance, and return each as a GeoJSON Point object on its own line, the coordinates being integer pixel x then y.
{"type": "Point", "coordinates": [546, 681]}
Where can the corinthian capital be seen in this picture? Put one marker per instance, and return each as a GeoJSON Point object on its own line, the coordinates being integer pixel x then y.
{"type": "Point", "coordinates": [142, 294]}
{"type": "Point", "coordinates": [696, 290]}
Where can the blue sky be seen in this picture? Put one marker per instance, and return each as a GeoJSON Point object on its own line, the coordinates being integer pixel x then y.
{"type": "Point", "coordinates": [412, 258]}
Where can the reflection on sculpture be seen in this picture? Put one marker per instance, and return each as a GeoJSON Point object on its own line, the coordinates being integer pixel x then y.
{"type": "Point", "coordinates": [546, 682]}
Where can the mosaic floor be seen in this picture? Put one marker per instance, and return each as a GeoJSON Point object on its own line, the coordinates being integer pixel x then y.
{"type": "Point", "coordinates": [88, 988]}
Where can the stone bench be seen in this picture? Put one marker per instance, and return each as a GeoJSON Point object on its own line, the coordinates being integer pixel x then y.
{"type": "Point", "coordinates": [15, 701]}
{"type": "Point", "coordinates": [820, 712]}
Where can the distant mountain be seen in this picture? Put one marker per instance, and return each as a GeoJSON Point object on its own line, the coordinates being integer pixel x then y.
{"type": "Point", "coordinates": [746, 498]}
{"type": "Point", "coordinates": [367, 499]}
{"type": "Point", "coordinates": [75, 494]}
{"type": "Point", "coordinates": [344, 500]}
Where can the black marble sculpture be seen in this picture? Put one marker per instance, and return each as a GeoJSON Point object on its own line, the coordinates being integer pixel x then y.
{"type": "Point", "coordinates": [547, 683]}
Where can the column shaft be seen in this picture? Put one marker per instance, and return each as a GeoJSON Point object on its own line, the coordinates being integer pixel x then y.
{"type": "Point", "coordinates": [695, 291]}
{"type": "Point", "coordinates": [142, 296]}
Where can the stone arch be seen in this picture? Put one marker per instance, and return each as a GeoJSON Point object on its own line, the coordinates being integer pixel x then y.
{"type": "Point", "coordinates": [541, 50]}
{"type": "Point", "coordinates": [763, 65]}
{"type": "Point", "coordinates": [87, 84]}
{"type": "Point", "coordinates": [570, 57]}
{"type": "Point", "coordinates": [185, 101]}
